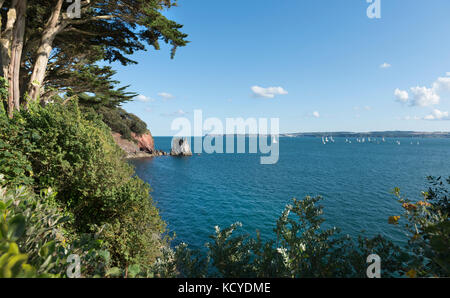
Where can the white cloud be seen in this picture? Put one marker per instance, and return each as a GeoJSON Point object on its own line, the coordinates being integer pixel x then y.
{"type": "Point", "coordinates": [316, 114]}
{"type": "Point", "coordinates": [437, 115]}
{"type": "Point", "coordinates": [423, 96]}
{"type": "Point", "coordinates": [143, 98]}
{"type": "Point", "coordinates": [269, 92]}
{"type": "Point", "coordinates": [420, 96]}
{"type": "Point", "coordinates": [368, 108]}
{"type": "Point", "coordinates": [441, 84]}
{"type": "Point", "coordinates": [447, 74]}
{"type": "Point", "coordinates": [401, 95]}
{"type": "Point", "coordinates": [166, 95]}
{"type": "Point", "coordinates": [385, 65]}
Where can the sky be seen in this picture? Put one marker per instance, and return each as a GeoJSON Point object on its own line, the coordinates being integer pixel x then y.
{"type": "Point", "coordinates": [320, 65]}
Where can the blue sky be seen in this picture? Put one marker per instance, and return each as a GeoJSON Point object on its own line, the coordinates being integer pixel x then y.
{"type": "Point", "coordinates": [319, 65]}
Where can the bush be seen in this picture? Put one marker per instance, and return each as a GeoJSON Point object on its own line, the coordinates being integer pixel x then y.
{"type": "Point", "coordinates": [77, 157]}
{"type": "Point", "coordinates": [426, 223]}
{"type": "Point", "coordinates": [122, 122]}
{"type": "Point", "coordinates": [34, 242]}
{"type": "Point", "coordinates": [14, 164]}
{"type": "Point", "coordinates": [302, 249]}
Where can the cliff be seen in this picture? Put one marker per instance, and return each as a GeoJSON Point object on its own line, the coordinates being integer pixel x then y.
{"type": "Point", "coordinates": [142, 146]}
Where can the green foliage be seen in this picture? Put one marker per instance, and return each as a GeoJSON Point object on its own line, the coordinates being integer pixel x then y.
{"type": "Point", "coordinates": [122, 122]}
{"type": "Point", "coordinates": [3, 95]}
{"type": "Point", "coordinates": [15, 207]}
{"type": "Point", "coordinates": [427, 225]}
{"type": "Point", "coordinates": [80, 45]}
{"type": "Point", "coordinates": [36, 225]}
{"type": "Point", "coordinates": [14, 164]}
{"type": "Point", "coordinates": [78, 158]}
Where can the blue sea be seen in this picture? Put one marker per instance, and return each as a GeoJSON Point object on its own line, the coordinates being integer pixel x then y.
{"type": "Point", "coordinates": [196, 193]}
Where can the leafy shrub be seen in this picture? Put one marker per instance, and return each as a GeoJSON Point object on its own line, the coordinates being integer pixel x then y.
{"type": "Point", "coordinates": [122, 122]}
{"type": "Point", "coordinates": [14, 163]}
{"type": "Point", "coordinates": [3, 95]}
{"type": "Point", "coordinates": [18, 209]}
{"type": "Point", "coordinates": [34, 225]}
{"type": "Point", "coordinates": [427, 224]}
{"type": "Point", "coordinates": [77, 157]}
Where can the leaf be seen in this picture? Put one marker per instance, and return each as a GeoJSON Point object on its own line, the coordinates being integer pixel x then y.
{"type": "Point", "coordinates": [411, 273]}
{"type": "Point", "coordinates": [393, 220]}
{"type": "Point", "coordinates": [133, 270]}
{"type": "Point", "coordinates": [15, 264]}
{"type": "Point", "coordinates": [13, 249]}
{"type": "Point", "coordinates": [114, 272]}
{"type": "Point", "coordinates": [105, 255]}
{"type": "Point", "coordinates": [47, 249]}
{"type": "Point", "coordinates": [16, 227]}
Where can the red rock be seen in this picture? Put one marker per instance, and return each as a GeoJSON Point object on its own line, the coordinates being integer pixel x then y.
{"type": "Point", "coordinates": [143, 145]}
{"type": "Point", "coordinates": [145, 142]}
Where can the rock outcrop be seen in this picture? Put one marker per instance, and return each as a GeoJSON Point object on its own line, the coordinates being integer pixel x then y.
{"type": "Point", "coordinates": [180, 147]}
{"type": "Point", "coordinates": [145, 142]}
{"type": "Point", "coordinates": [142, 146]}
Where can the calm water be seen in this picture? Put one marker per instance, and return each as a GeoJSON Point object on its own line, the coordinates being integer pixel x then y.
{"type": "Point", "coordinates": [195, 194]}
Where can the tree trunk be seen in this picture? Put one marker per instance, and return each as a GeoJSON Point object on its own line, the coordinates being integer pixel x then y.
{"type": "Point", "coordinates": [11, 42]}
{"type": "Point", "coordinates": [43, 52]}
{"type": "Point", "coordinates": [5, 42]}
{"type": "Point", "coordinates": [16, 55]}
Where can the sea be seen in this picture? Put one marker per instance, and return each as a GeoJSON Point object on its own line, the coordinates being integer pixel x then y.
{"type": "Point", "coordinates": [195, 194]}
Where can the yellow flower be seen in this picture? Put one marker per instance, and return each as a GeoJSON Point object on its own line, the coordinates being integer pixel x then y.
{"type": "Point", "coordinates": [393, 220]}
{"type": "Point", "coordinates": [409, 206]}
{"type": "Point", "coordinates": [411, 273]}
{"type": "Point", "coordinates": [423, 203]}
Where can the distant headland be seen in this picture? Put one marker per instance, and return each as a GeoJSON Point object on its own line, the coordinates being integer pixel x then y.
{"type": "Point", "coordinates": [374, 134]}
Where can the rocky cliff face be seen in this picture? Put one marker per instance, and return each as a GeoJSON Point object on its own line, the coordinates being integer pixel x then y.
{"type": "Point", "coordinates": [143, 147]}
{"type": "Point", "coordinates": [145, 142]}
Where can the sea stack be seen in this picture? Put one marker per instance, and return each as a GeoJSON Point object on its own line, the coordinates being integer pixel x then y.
{"type": "Point", "coordinates": [180, 147]}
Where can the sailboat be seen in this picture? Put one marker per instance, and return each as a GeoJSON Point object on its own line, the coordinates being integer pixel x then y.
{"type": "Point", "coordinates": [274, 140]}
